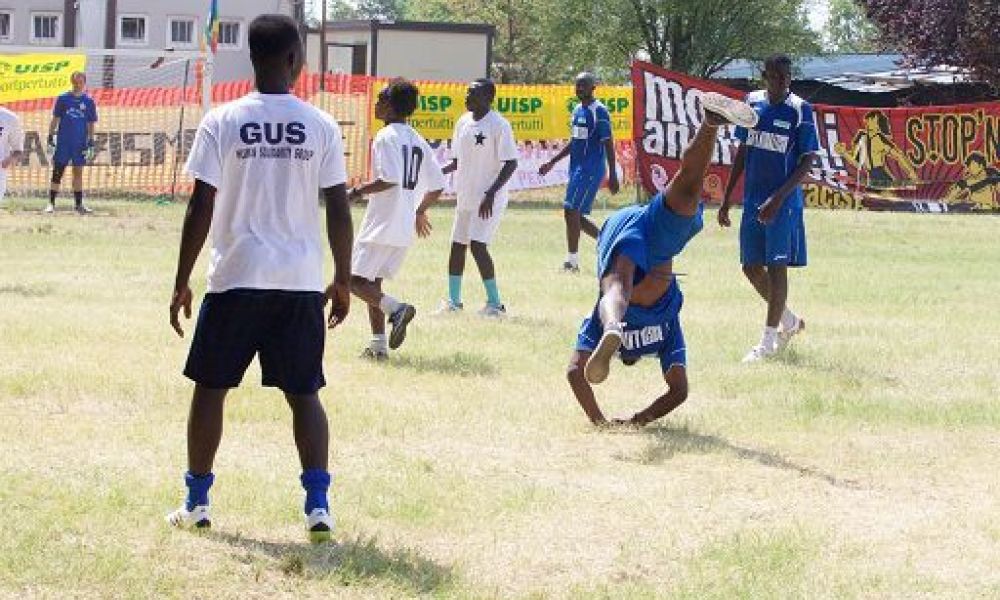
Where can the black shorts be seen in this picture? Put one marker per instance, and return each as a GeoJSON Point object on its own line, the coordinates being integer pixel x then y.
{"type": "Point", "coordinates": [285, 329]}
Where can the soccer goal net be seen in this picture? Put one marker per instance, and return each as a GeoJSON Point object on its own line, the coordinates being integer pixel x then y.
{"type": "Point", "coordinates": [148, 106]}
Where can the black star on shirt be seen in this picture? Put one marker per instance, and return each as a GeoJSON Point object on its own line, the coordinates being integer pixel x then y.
{"type": "Point", "coordinates": [480, 138]}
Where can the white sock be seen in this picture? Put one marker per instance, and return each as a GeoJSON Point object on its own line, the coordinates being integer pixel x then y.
{"type": "Point", "coordinates": [573, 258]}
{"type": "Point", "coordinates": [388, 304]}
{"type": "Point", "coordinates": [788, 319]}
{"type": "Point", "coordinates": [770, 338]}
{"type": "Point", "coordinates": [379, 343]}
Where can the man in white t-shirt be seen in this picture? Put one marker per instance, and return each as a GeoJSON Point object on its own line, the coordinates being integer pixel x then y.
{"type": "Point", "coordinates": [11, 145]}
{"type": "Point", "coordinates": [404, 170]}
{"type": "Point", "coordinates": [258, 163]}
{"type": "Point", "coordinates": [485, 158]}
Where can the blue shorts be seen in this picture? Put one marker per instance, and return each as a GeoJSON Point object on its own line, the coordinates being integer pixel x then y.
{"type": "Point", "coordinates": [582, 189]}
{"type": "Point", "coordinates": [781, 242]}
{"type": "Point", "coordinates": [649, 331]}
{"type": "Point", "coordinates": [285, 329]}
{"type": "Point", "coordinates": [65, 155]}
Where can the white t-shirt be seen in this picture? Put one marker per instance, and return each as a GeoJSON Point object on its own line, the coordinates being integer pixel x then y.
{"type": "Point", "coordinates": [267, 155]}
{"type": "Point", "coordinates": [11, 135]}
{"type": "Point", "coordinates": [401, 156]}
{"type": "Point", "coordinates": [481, 147]}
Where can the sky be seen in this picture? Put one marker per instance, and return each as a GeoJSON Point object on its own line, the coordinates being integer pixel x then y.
{"type": "Point", "coordinates": [819, 13]}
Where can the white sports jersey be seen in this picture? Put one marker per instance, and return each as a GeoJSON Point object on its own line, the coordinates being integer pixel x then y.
{"type": "Point", "coordinates": [400, 156]}
{"type": "Point", "coordinates": [11, 134]}
{"type": "Point", "coordinates": [481, 148]}
{"type": "Point", "coordinates": [267, 155]}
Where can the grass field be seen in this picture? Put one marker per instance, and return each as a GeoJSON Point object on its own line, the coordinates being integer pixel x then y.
{"type": "Point", "coordinates": [862, 463]}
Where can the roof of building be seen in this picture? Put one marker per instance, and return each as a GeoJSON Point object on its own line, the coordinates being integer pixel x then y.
{"type": "Point", "coordinates": [429, 26]}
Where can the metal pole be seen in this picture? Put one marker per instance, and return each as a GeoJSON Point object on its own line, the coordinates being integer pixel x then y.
{"type": "Point", "coordinates": [180, 131]}
{"type": "Point", "coordinates": [322, 46]}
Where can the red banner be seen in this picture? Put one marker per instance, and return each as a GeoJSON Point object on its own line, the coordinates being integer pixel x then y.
{"type": "Point", "coordinates": [927, 159]}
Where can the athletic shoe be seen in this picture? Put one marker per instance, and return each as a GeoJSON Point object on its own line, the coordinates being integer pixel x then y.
{"type": "Point", "coordinates": [447, 307]}
{"type": "Point", "coordinates": [599, 364]}
{"type": "Point", "coordinates": [735, 111]}
{"type": "Point", "coordinates": [785, 336]}
{"type": "Point", "coordinates": [51, 208]}
{"type": "Point", "coordinates": [374, 355]}
{"type": "Point", "coordinates": [198, 518]}
{"type": "Point", "coordinates": [319, 525]}
{"type": "Point", "coordinates": [399, 320]}
{"type": "Point", "coordinates": [760, 352]}
{"type": "Point", "coordinates": [569, 267]}
{"type": "Point", "coordinates": [83, 210]}
{"type": "Point", "coordinates": [493, 311]}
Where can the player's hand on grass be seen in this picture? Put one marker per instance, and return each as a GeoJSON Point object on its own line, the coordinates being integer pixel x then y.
{"type": "Point", "coordinates": [768, 210]}
{"type": "Point", "coordinates": [723, 215]}
{"type": "Point", "coordinates": [338, 295]}
{"type": "Point", "coordinates": [181, 299]}
{"type": "Point", "coordinates": [423, 225]}
{"type": "Point", "coordinates": [544, 169]}
{"type": "Point", "coordinates": [486, 207]}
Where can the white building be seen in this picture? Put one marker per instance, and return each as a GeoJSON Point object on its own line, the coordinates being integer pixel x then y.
{"type": "Point", "coordinates": [138, 24]}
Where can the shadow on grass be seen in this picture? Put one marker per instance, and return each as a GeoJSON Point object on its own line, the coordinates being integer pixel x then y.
{"type": "Point", "coordinates": [357, 561]}
{"type": "Point", "coordinates": [668, 441]}
{"type": "Point", "coordinates": [25, 291]}
{"type": "Point", "coordinates": [854, 375]}
{"type": "Point", "coordinates": [459, 364]}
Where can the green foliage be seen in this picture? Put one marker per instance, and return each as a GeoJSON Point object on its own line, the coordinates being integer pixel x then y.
{"type": "Point", "coordinates": [849, 30]}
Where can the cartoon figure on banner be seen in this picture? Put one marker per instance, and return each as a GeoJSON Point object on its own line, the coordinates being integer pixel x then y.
{"type": "Point", "coordinates": [870, 151]}
{"type": "Point", "coordinates": [979, 186]}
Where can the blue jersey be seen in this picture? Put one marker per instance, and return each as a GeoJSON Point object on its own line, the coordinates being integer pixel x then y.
{"type": "Point", "coordinates": [74, 113]}
{"type": "Point", "coordinates": [590, 128]}
{"type": "Point", "coordinates": [784, 132]}
{"type": "Point", "coordinates": [653, 330]}
{"type": "Point", "coordinates": [649, 235]}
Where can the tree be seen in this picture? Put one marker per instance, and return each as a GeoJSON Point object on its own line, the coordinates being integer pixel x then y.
{"type": "Point", "coordinates": [960, 33]}
{"type": "Point", "coordinates": [849, 29]}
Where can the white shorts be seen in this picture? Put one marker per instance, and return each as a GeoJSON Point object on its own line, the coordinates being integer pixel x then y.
{"type": "Point", "coordinates": [376, 261]}
{"type": "Point", "coordinates": [469, 227]}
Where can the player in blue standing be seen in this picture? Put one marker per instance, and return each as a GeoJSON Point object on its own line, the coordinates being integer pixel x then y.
{"type": "Point", "coordinates": [776, 156]}
{"type": "Point", "coordinates": [259, 164]}
{"type": "Point", "coordinates": [591, 145]}
{"type": "Point", "coordinates": [71, 137]}
{"type": "Point", "coordinates": [639, 301]}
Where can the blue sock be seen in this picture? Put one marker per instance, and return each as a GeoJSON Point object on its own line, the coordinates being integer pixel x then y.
{"type": "Point", "coordinates": [316, 483]}
{"type": "Point", "coordinates": [492, 293]}
{"type": "Point", "coordinates": [455, 289]}
{"type": "Point", "coordinates": [197, 486]}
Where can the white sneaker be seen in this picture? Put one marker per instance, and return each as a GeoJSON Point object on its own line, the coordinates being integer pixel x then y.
{"type": "Point", "coordinates": [759, 353]}
{"type": "Point", "coordinates": [198, 518]}
{"type": "Point", "coordinates": [599, 364]}
{"type": "Point", "coordinates": [447, 307]}
{"type": "Point", "coordinates": [493, 311]}
{"type": "Point", "coordinates": [49, 208]}
{"type": "Point", "coordinates": [319, 525]}
{"type": "Point", "coordinates": [785, 336]}
{"type": "Point", "coordinates": [735, 111]}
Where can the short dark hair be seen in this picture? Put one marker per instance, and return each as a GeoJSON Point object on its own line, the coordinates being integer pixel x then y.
{"type": "Point", "coordinates": [777, 60]}
{"type": "Point", "coordinates": [402, 96]}
{"type": "Point", "coordinates": [271, 37]}
{"type": "Point", "coordinates": [491, 88]}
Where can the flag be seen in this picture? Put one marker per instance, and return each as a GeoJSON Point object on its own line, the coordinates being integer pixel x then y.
{"type": "Point", "coordinates": [212, 26]}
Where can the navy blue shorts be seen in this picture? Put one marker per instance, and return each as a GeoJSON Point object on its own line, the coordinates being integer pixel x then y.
{"type": "Point", "coordinates": [285, 329]}
{"type": "Point", "coordinates": [582, 189]}
{"type": "Point", "coordinates": [69, 155]}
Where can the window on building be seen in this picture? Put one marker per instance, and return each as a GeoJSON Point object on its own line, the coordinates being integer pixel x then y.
{"type": "Point", "coordinates": [4, 26]}
{"type": "Point", "coordinates": [180, 32]}
{"type": "Point", "coordinates": [229, 34]}
{"type": "Point", "coordinates": [132, 30]}
{"type": "Point", "coordinates": [45, 28]}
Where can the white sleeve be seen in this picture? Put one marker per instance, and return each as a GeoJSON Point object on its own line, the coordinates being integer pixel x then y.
{"type": "Point", "coordinates": [455, 136]}
{"type": "Point", "coordinates": [205, 161]}
{"type": "Point", "coordinates": [333, 167]}
{"type": "Point", "coordinates": [431, 171]}
{"type": "Point", "coordinates": [387, 160]}
{"type": "Point", "coordinates": [16, 138]}
{"type": "Point", "coordinates": [507, 146]}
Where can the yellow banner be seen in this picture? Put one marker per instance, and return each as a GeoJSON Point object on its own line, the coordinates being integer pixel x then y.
{"type": "Point", "coordinates": [31, 76]}
{"type": "Point", "coordinates": [535, 112]}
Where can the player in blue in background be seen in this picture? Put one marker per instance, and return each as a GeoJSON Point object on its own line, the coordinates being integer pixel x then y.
{"type": "Point", "coordinates": [591, 145]}
{"type": "Point", "coordinates": [776, 155]}
{"type": "Point", "coordinates": [71, 136]}
{"type": "Point", "coordinates": [639, 302]}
